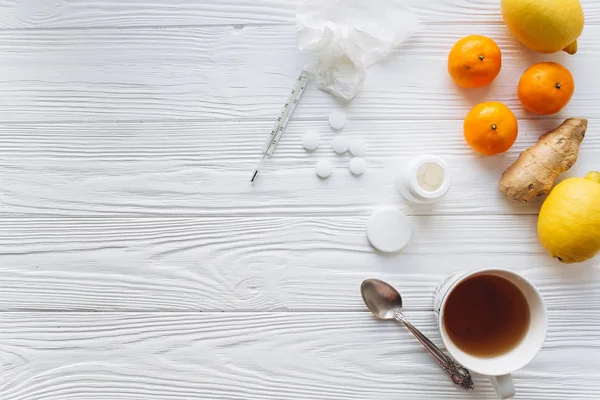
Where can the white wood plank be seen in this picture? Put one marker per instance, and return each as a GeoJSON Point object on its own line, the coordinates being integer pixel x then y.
{"type": "Point", "coordinates": [233, 146]}
{"type": "Point", "coordinates": [165, 356]}
{"type": "Point", "coordinates": [116, 168]}
{"type": "Point", "coordinates": [241, 263]}
{"type": "Point", "coordinates": [132, 13]}
{"type": "Point", "coordinates": [224, 73]}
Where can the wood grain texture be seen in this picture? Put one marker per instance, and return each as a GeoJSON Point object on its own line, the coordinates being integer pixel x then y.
{"type": "Point", "coordinates": [126, 356]}
{"type": "Point", "coordinates": [128, 132]}
{"type": "Point", "coordinates": [231, 74]}
{"type": "Point", "coordinates": [203, 168]}
{"type": "Point", "coordinates": [135, 13]}
{"type": "Point", "coordinates": [276, 263]}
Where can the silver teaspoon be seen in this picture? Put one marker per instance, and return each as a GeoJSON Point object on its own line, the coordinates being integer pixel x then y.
{"type": "Point", "coordinates": [385, 303]}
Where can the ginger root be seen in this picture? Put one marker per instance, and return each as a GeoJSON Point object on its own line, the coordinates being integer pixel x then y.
{"type": "Point", "coordinates": [534, 173]}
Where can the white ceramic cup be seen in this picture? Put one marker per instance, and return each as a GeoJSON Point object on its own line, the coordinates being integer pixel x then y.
{"type": "Point", "coordinates": [499, 368]}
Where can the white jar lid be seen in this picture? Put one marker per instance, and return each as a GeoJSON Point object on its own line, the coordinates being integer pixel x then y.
{"type": "Point", "coordinates": [389, 230]}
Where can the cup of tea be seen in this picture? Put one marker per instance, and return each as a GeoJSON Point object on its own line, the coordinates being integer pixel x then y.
{"type": "Point", "coordinates": [493, 322]}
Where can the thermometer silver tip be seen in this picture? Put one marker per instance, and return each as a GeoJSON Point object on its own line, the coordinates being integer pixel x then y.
{"type": "Point", "coordinates": [254, 176]}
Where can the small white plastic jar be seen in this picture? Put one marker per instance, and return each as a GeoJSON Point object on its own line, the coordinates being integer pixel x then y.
{"type": "Point", "coordinates": [425, 179]}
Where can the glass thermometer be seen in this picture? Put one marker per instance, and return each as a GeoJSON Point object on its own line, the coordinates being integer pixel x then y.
{"type": "Point", "coordinates": [282, 121]}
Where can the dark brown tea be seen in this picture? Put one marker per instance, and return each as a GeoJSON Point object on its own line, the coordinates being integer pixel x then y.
{"type": "Point", "coordinates": [486, 316]}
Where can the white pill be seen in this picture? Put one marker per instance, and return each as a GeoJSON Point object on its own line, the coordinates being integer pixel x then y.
{"type": "Point", "coordinates": [357, 166]}
{"type": "Point", "coordinates": [337, 120]}
{"type": "Point", "coordinates": [340, 144]}
{"type": "Point", "coordinates": [358, 148]}
{"type": "Point", "coordinates": [323, 169]}
{"type": "Point", "coordinates": [388, 230]}
{"type": "Point", "coordinates": [310, 141]}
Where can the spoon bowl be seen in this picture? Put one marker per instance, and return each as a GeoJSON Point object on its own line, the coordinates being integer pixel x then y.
{"type": "Point", "coordinates": [381, 299]}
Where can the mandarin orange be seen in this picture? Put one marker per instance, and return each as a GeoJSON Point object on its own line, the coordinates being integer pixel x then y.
{"type": "Point", "coordinates": [546, 88]}
{"type": "Point", "coordinates": [491, 128]}
{"type": "Point", "coordinates": [474, 61]}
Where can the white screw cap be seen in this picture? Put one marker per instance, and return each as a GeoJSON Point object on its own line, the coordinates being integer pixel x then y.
{"type": "Point", "coordinates": [389, 230]}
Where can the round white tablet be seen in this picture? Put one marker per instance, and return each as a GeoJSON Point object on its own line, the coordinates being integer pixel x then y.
{"type": "Point", "coordinates": [358, 148]}
{"type": "Point", "coordinates": [357, 166]}
{"type": "Point", "coordinates": [310, 141]}
{"type": "Point", "coordinates": [388, 230]}
{"type": "Point", "coordinates": [323, 169]}
{"type": "Point", "coordinates": [337, 120]}
{"type": "Point", "coordinates": [340, 144]}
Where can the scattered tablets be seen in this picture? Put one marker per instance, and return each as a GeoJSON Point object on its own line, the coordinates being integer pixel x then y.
{"type": "Point", "coordinates": [340, 144]}
{"type": "Point", "coordinates": [388, 230]}
{"type": "Point", "coordinates": [358, 148]}
{"type": "Point", "coordinates": [337, 120]}
{"type": "Point", "coordinates": [310, 141]}
{"type": "Point", "coordinates": [357, 166]}
{"type": "Point", "coordinates": [323, 169]}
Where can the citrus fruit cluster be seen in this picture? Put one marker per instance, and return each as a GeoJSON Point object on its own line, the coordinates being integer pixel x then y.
{"type": "Point", "coordinates": [492, 128]}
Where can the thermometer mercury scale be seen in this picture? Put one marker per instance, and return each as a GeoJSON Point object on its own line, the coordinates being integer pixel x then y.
{"type": "Point", "coordinates": [282, 121]}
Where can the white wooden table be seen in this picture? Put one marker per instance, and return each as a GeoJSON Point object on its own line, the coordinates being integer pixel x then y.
{"type": "Point", "coordinates": [137, 262]}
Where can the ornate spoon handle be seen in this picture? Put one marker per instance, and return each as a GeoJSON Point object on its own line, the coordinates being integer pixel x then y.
{"type": "Point", "coordinates": [459, 375]}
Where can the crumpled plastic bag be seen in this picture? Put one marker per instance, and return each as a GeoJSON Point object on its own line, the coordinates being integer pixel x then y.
{"type": "Point", "coordinates": [348, 36]}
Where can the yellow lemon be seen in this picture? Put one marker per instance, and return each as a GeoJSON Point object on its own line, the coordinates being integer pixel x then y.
{"type": "Point", "coordinates": [569, 221]}
{"type": "Point", "coordinates": [546, 26]}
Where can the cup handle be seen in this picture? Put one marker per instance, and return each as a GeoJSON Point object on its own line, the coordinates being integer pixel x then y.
{"type": "Point", "coordinates": [503, 386]}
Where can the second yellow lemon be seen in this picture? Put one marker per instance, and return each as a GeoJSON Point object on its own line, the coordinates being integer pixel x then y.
{"type": "Point", "coordinates": [546, 26]}
{"type": "Point", "coordinates": [569, 221]}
